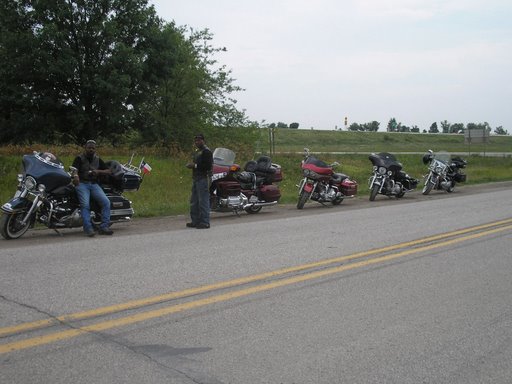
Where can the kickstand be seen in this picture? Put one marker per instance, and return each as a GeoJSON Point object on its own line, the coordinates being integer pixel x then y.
{"type": "Point", "coordinates": [58, 233]}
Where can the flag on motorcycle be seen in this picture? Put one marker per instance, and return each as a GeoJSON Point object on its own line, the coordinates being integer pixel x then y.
{"type": "Point", "coordinates": [145, 167]}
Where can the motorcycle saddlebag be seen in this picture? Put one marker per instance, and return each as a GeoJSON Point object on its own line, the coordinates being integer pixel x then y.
{"type": "Point", "coordinates": [228, 188]}
{"type": "Point", "coordinates": [278, 174]}
{"type": "Point", "coordinates": [270, 193]}
{"type": "Point", "coordinates": [131, 181]}
{"type": "Point", "coordinates": [349, 187]}
{"type": "Point", "coordinates": [120, 207]}
{"type": "Point", "coordinates": [410, 183]}
{"type": "Point", "coordinates": [459, 177]}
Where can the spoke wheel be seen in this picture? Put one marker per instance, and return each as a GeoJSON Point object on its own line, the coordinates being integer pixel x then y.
{"type": "Point", "coordinates": [11, 226]}
{"type": "Point", "coordinates": [303, 197]}
{"type": "Point", "coordinates": [374, 192]}
{"type": "Point", "coordinates": [428, 186]}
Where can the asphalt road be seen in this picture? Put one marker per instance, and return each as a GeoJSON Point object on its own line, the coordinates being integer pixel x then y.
{"type": "Point", "coordinates": [415, 290]}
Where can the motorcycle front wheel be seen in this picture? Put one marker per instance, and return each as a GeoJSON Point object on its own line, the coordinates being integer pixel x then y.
{"type": "Point", "coordinates": [303, 197]}
{"type": "Point", "coordinates": [11, 226]}
{"type": "Point", "coordinates": [428, 185]}
{"type": "Point", "coordinates": [374, 192]}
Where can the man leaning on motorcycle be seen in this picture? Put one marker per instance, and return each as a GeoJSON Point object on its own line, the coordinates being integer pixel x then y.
{"type": "Point", "coordinates": [89, 165]}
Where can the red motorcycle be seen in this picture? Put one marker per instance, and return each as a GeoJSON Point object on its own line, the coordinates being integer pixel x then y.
{"type": "Point", "coordinates": [233, 190]}
{"type": "Point", "coordinates": [322, 184]}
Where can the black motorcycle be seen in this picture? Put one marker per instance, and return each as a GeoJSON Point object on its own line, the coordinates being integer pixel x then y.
{"type": "Point", "coordinates": [388, 178]}
{"type": "Point", "coordinates": [444, 171]}
{"type": "Point", "coordinates": [46, 195]}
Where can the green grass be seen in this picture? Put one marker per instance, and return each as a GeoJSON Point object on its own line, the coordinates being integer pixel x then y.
{"type": "Point", "coordinates": [342, 141]}
{"type": "Point", "coordinates": [166, 190]}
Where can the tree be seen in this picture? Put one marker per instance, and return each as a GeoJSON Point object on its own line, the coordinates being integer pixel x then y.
{"type": "Point", "coordinates": [457, 128]}
{"type": "Point", "coordinates": [294, 125]}
{"type": "Point", "coordinates": [354, 127]}
{"type": "Point", "coordinates": [87, 59]}
{"type": "Point", "coordinates": [433, 128]}
{"type": "Point", "coordinates": [415, 129]}
{"type": "Point", "coordinates": [500, 131]}
{"type": "Point", "coordinates": [281, 125]}
{"type": "Point", "coordinates": [392, 125]}
{"type": "Point", "coordinates": [445, 126]}
{"type": "Point", "coordinates": [372, 126]}
{"type": "Point", "coordinates": [75, 69]}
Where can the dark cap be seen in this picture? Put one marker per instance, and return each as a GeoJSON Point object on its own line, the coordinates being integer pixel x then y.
{"type": "Point", "coordinates": [199, 136]}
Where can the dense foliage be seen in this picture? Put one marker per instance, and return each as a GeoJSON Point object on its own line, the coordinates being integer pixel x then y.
{"type": "Point", "coordinates": [111, 69]}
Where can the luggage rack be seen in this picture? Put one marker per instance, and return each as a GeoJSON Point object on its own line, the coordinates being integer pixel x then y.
{"type": "Point", "coordinates": [130, 167]}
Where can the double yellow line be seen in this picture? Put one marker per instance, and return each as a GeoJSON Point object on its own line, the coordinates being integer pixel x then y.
{"type": "Point", "coordinates": [411, 247]}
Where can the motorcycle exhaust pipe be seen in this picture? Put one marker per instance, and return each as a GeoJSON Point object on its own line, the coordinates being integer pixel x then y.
{"type": "Point", "coordinates": [266, 204]}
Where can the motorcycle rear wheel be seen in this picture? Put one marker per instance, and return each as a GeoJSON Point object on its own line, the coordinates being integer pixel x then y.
{"type": "Point", "coordinates": [303, 197]}
{"type": "Point", "coordinates": [252, 209]}
{"type": "Point", "coordinates": [337, 201]}
{"type": "Point", "coordinates": [11, 227]}
{"type": "Point", "coordinates": [374, 192]}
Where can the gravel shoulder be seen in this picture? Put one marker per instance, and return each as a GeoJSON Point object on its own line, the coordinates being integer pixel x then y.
{"type": "Point", "coordinates": [139, 226]}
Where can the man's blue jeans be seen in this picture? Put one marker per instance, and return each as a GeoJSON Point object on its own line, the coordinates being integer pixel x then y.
{"type": "Point", "coordinates": [87, 190]}
{"type": "Point", "coordinates": [200, 201]}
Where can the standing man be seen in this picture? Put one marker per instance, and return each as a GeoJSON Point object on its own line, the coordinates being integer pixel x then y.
{"type": "Point", "coordinates": [89, 166]}
{"type": "Point", "coordinates": [200, 198]}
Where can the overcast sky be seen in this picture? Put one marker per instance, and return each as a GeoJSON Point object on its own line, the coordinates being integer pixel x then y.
{"type": "Point", "coordinates": [316, 61]}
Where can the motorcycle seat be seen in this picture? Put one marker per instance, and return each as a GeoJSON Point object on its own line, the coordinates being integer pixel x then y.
{"type": "Point", "coordinates": [63, 191]}
{"type": "Point", "coordinates": [338, 177]}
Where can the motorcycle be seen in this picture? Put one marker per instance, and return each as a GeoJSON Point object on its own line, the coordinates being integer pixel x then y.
{"type": "Point", "coordinates": [444, 171]}
{"type": "Point", "coordinates": [322, 184]}
{"type": "Point", "coordinates": [388, 178]}
{"type": "Point", "coordinates": [46, 195]}
{"type": "Point", "coordinates": [234, 190]}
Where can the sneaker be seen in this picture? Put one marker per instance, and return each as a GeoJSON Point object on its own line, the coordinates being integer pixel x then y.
{"type": "Point", "coordinates": [202, 226]}
{"type": "Point", "coordinates": [90, 233]}
{"type": "Point", "coordinates": [105, 231]}
{"type": "Point", "coordinates": [191, 225]}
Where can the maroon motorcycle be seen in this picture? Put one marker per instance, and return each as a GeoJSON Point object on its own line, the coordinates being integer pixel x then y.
{"type": "Point", "coordinates": [234, 190]}
{"type": "Point", "coordinates": [322, 184]}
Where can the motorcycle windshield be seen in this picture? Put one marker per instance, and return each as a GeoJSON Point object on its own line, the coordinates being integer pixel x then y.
{"type": "Point", "coordinates": [223, 157]}
{"type": "Point", "coordinates": [46, 169]}
{"type": "Point", "coordinates": [387, 160]}
{"type": "Point", "coordinates": [443, 156]}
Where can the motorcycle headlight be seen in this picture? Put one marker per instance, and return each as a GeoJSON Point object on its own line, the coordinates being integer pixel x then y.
{"type": "Point", "coordinates": [382, 170]}
{"type": "Point", "coordinates": [390, 173]}
{"type": "Point", "coordinates": [375, 168]}
{"type": "Point", "coordinates": [30, 183]}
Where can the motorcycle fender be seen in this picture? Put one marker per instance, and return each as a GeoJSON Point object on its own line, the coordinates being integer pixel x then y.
{"type": "Point", "coordinates": [308, 187]}
{"type": "Point", "coordinates": [17, 204]}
